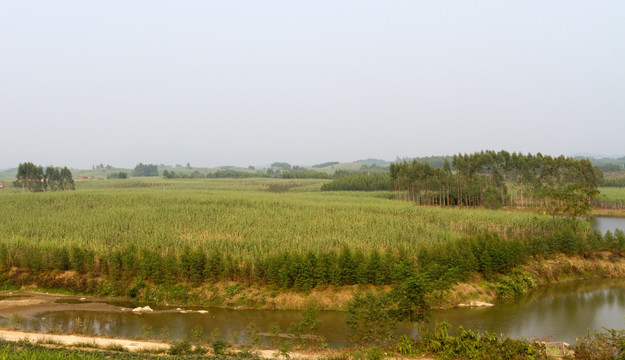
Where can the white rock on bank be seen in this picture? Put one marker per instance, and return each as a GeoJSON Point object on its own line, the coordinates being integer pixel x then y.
{"type": "Point", "coordinates": [140, 309]}
{"type": "Point", "coordinates": [476, 304]}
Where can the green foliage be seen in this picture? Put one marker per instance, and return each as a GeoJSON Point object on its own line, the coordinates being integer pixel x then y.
{"type": "Point", "coordinates": [489, 178]}
{"type": "Point", "coordinates": [611, 198]}
{"type": "Point", "coordinates": [284, 349]}
{"type": "Point", "coordinates": [607, 344]}
{"type": "Point", "coordinates": [23, 350]}
{"type": "Point", "coordinates": [118, 175]}
{"type": "Point", "coordinates": [492, 198]}
{"type": "Point", "coordinates": [33, 178]}
{"type": "Point", "coordinates": [180, 347]}
{"type": "Point", "coordinates": [281, 165]}
{"type": "Point", "coordinates": [178, 237]}
{"type": "Point", "coordinates": [515, 284]}
{"type": "Point", "coordinates": [369, 318]}
{"type": "Point", "coordinates": [407, 347]}
{"type": "Point", "coordinates": [30, 176]}
{"type": "Point", "coordinates": [470, 345]}
{"type": "Point", "coordinates": [252, 333]}
{"type": "Point", "coordinates": [274, 331]}
{"type": "Point", "coordinates": [375, 353]}
{"type": "Point", "coordinates": [618, 182]}
{"type": "Point", "coordinates": [145, 170]}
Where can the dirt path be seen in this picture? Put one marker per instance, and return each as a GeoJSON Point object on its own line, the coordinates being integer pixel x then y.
{"type": "Point", "coordinates": [71, 340]}
{"type": "Point", "coordinates": [130, 345]}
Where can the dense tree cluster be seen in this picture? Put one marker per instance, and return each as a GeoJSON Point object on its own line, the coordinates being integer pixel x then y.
{"type": "Point", "coordinates": [34, 178]}
{"type": "Point", "coordinates": [118, 175]}
{"type": "Point", "coordinates": [494, 179]}
{"type": "Point", "coordinates": [281, 165]}
{"type": "Point", "coordinates": [145, 170]}
{"type": "Point", "coordinates": [173, 175]}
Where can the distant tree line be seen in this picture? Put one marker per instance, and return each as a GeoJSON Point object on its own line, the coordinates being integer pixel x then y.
{"type": "Point", "coordinates": [611, 167]}
{"type": "Point", "coordinates": [494, 179]}
{"type": "Point", "coordinates": [296, 172]}
{"type": "Point", "coordinates": [34, 178]}
{"type": "Point", "coordinates": [358, 181]}
{"type": "Point", "coordinates": [607, 164]}
{"type": "Point", "coordinates": [118, 175]}
{"type": "Point", "coordinates": [145, 170]}
{"type": "Point", "coordinates": [173, 175]}
{"type": "Point", "coordinates": [618, 182]}
{"type": "Point", "coordinates": [325, 164]}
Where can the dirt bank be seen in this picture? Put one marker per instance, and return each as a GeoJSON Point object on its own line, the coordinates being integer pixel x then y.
{"type": "Point", "coordinates": [27, 304]}
{"type": "Point", "coordinates": [80, 341]}
{"type": "Point", "coordinates": [90, 342]}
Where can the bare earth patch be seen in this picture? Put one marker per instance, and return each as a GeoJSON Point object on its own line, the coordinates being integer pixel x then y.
{"type": "Point", "coordinates": [131, 345]}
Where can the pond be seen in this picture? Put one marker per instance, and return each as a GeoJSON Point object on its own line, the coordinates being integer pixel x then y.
{"type": "Point", "coordinates": [604, 223]}
{"type": "Point", "coordinates": [560, 312]}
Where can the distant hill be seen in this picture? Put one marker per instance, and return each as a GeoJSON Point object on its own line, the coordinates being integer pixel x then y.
{"type": "Point", "coordinates": [607, 164]}
{"type": "Point", "coordinates": [373, 162]}
{"type": "Point", "coordinates": [8, 174]}
{"type": "Point", "coordinates": [597, 156]}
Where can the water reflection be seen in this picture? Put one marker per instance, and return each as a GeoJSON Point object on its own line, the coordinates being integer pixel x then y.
{"type": "Point", "coordinates": [561, 312]}
{"type": "Point", "coordinates": [173, 325]}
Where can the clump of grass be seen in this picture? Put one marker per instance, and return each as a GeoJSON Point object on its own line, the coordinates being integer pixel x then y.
{"type": "Point", "coordinates": [86, 344]}
{"type": "Point", "coordinates": [115, 347]}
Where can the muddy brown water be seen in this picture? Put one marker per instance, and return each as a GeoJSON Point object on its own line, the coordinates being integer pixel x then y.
{"type": "Point", "coordinates": [560, 312]}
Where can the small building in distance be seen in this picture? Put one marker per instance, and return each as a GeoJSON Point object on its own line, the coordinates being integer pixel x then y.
{"type": "Point", "coordinates": [1, 184]}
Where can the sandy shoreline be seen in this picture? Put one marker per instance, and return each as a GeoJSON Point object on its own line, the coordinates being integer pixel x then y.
{"type": "Point", "coordinates": [72, 340]}
{"type": "Point", "coordinates": [101, 343]}
{"type": "Point", "coordinates": [29, 304]}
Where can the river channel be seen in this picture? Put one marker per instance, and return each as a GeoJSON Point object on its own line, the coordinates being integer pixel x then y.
{"type": "Point", "coordinates": [559, 312]}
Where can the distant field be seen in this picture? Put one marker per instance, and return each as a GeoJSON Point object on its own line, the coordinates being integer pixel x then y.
{"type": "Point", "coordinates": [612, 195]}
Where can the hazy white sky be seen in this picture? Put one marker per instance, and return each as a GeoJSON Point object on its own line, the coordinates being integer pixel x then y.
{"type": "Point", "coordinates": [253, 82]}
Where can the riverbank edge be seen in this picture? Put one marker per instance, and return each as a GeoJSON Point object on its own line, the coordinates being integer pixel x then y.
{"type": "Point", "coordinates": [545, 271]}
{"type": "Point", "coordinates": [100, 344]}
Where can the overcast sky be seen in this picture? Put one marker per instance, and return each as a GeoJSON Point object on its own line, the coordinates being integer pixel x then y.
{"type": "Point", "coordinates": [253, 82]}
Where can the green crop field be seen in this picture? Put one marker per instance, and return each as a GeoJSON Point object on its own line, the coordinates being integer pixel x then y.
{"type": "Point", "coordinates": [284, 233]}
{"type": "Point", "coordinates": [244, 217]}
{"type": "Point", "coordinates": [612, 196]}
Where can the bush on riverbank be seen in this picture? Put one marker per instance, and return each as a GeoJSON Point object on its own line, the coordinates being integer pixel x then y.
{"type": "Point", "coordinates": [470, 345]}
{"type": "Point", "coordinates": [607, 344]}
